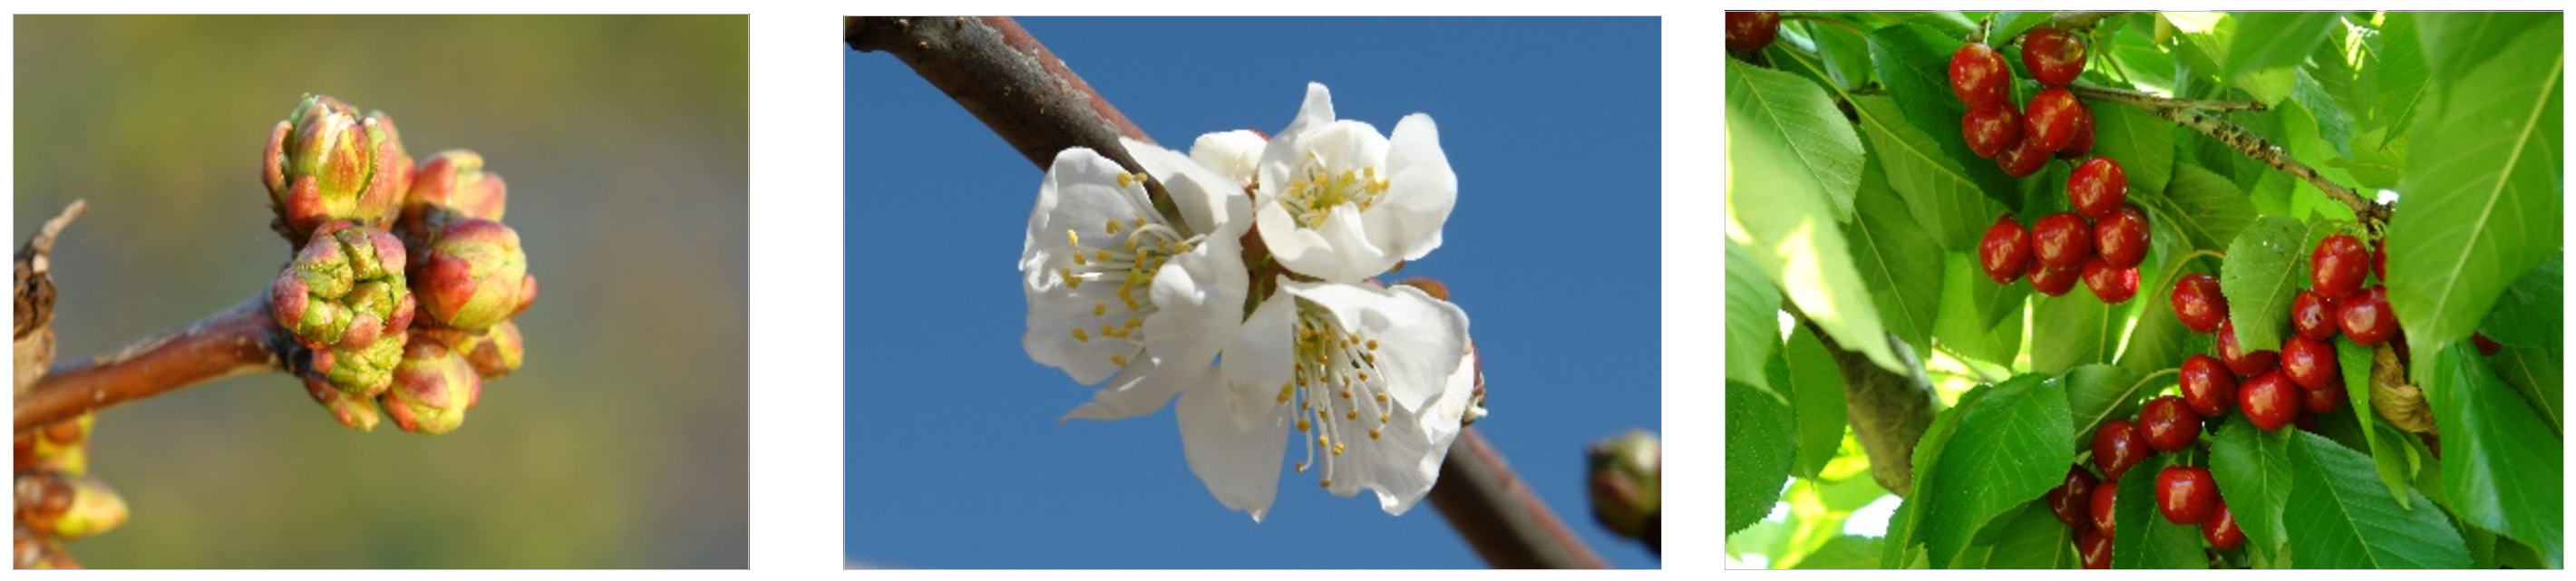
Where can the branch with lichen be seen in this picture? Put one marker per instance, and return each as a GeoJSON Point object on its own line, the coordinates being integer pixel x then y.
{"type": "Point", "coordinates": [2189, 113]}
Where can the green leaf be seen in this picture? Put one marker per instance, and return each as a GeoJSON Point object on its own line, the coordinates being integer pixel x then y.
{"type": "Point", "coordinates": [2502, 467]}
{"type": "Point", "coordinates": [1967, 300]}
{"type": "Point", "coordinates": [1820, 154]}
{"type": "Point", "coordinates": [2266, 265]}
{"type": "Point", "coordinates": [1897, 260]}
{"type": "Point", "coordinates": [1942, 197]}
{"type": "Point", "coordinates": [2338, 520]}
{"type": "Point", "coordinates": [2142, 143]}
{"type": "Point", "coordinates": [2030, 538]}
{"type": "Point", "coordinates": [1757, 457]}
{"type": "Point", "coordinates": [2535, 374]}
{"type": "Point", "coordinates": [1913, 63]}
{"type": "Point", "coordinates": [2481, 201]}
{"type": "Point", "coordinates": [2272, 39]}
{"type": "Point", "coordinates": [1806, 367]}
{"type": "Point", "coordinates": [2207, 208]}
{"type": "Point", "coordinates": [2079, 330]}
{"type": "Point", "coordinates": [2159, 341]}
{"type": "Point", "coordinates": [2391, 455]}
{"type": "Point", "coordinates": [2531, 311]}
{"type": "Point", "coordinates": [2009, 450]}
{"type": "Point", "coordinates": [2253, 472]}
{"type": "Point", "coordinates": [1844, 552]}
{"type": "Point", "coordinates": [2378, 161]}
{"type": "Point", "coordinates": [2402, 70]}
{"type": "Point", "coordinates": [1781, 216]}
{"type": "Point", "coordinates": [2146, 540]}
{"type": "Point", "coordinates": [2333, 125]}
{"type": "Point", "coordinates": [2095, 395]}
{"type": "Point", "coordinates": [1752, 320]}
{"type": "Point", "coordinates": [1903, 529]}
{"type": "Point", "coordinates": [2011, 23]}
{"type": "Point", "coordinates": [2456, 43]}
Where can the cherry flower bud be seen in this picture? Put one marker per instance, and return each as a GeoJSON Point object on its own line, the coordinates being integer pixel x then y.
{"type": "Point", "coordinates": [449, 186]}
{"type": "Point", "coordinates": [494, 352]}
{"type": "Point", "coordinates": [473, 275]}
{"type": "Point", "coordinates": [326, 163]}
{"type": "Point", "coordinates": [94, 509]}
{"type": "Point", "coordinates": [432, 389]}
{"type": "Point", "coordinates": [60, 446]}
{"type": "Point", "coordinates": [352, 411]}
{"type": "Point", "coordinates": [345, 297]}
{"type": "Point", "coordinates": [1627, 485]}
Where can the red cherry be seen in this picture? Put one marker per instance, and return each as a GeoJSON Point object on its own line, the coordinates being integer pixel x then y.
{"type": "Point", "coordinates": [2311, 364]}
{"type": "Point", "coordinates": [2083, 142]}
{"type": "Point", "coordinates": [2053, 56]}
{"type": "Point", "coordinates": [1749, 31]}
{"type": "Point", "coordinates": [2244, 364]}
{"type": "Point", "coordinates": [2112, 285]}
{"type": "Point", "coordinates": [2337, 266]}
{"type": "Point", "coordinates": [2366, 317]}
{"type": "Point", "coordinates": [2220, 529]}
{"type": "Point", "coordinates": [2105, 498]}
{"type": "Point", "coordinates": [2322, 400]}
{"type": "Point", "coordinates": [2186, 494]}
{"type": "Point", "coordinates": [2198, 304]}
{"type": "Point", "coordinates": [2068, 498]}
{"type": "Point", "coordinates": [2169, 424]}
{"type": "Point", "coordinates": [2096, 549]}
{"type": "Point", "coordinates": [2118, 446]}
{"type": "Point", "coordinates": [2061, 240]}
{"type": "Point", "coordinates": [2097, 188]}
{"type": "Point", "coordinates": [2005, 250]}
{"type": "Point", "coordinates": [2485, 346]}
{"type": "Point", "coordinates": [1978, 76]}
{"type": "Point", "coordinates": [2270, 400]}
{"type": "Point", "coordinates": [2054, 281]}
{"type": "Point", "coordinates": [2050, 119]}
{"type": "Point", "coordinates": [2023, 158]}
{"type": "Point", "coordinates": [2121, 238]}
{"type": "Point", "coordinates": [1991, 130]}
{"type": "Point", "coordinates": [2208, 386]}
{"type": "Point", "coordinates": [2379, 261]}
{"type": "Point", "coordinates": [2312, 315]}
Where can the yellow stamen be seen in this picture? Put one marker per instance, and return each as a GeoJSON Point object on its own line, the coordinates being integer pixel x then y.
{"type": "Point", "coordinates": [1121, 360]}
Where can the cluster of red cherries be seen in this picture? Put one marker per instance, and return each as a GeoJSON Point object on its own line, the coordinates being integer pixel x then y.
{"type": "Point", "coordinates": [2104, 239]}
{"type": "Point", "coordinates": [2054, 124]}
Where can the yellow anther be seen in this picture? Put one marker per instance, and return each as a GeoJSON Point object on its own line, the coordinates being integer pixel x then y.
{"type": "Point", "coordinates": [1124, 180]}
{"type": "Point", "coordinates": [1078, 260]}
{"type": "Point", "coordinates": [1113, 226]}
{"type": "Point", "coordinates": [1327, 483]}
{"type": "Point", "coordinates": [1323, 440]}
{"type": "Point", "coordinates": [1134, 323]}
{"type": "Point", "coordinates": [1372, 433]}
{"type": "Point", "coordinates": [1337, 449]}
{"type": "Point", "coordinates": [1184, 248]}
{"type": "Point", "coordinates": [1121, 360]}
{"type": "Point", "coordinates": [1103, 256]}
{"type": "Point", "coordinates": [1072, 238]}
{"type": "Point", "coordinates": [1351, 415]}
{"type": "Point", "coordinates": [1284, 390]}
{"type": "Point", "coordinates": [1070, 282]}
{"type": "Point", "coordinates": [1346, 394]}
{"type": "Point", "coordinates": [1301, 424]}
{"type": "Point", "coordinates": [1139, 222]}
{"type": "Point", "coordinates": [1364, 377]}
{"type": "Point", "coordinates": [1098, 309]}
{"type": "Point", "coordinates": [1381, 398]}
{"type": "Point", "coordinates": [1107, 330]}
{"type": "Point", "coordinates": [1081, 337]}
{"type": "Point", "coordinates": [1372, 344]}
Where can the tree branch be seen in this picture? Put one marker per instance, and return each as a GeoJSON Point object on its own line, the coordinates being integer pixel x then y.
{"type": "Point", "coordinates": [241, 340]}
{"type": "Point", "coordinates": [2152, 101]}
{"type": "Point", "coordinates": [1023, 93]}
{"type": "Point", "coordinates": [2187, 113]}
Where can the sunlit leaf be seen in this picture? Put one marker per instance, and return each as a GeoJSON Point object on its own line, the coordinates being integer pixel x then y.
{"type": "Point", "coordinates": [2266, 266]}
{"type": "Point", "coordinates": [1757, 456]}
{"type": "Point", "coordinates": [2008, 450]}
{"type": "Point", "coordinates": [1780, 213]}
{"type": "Point", "coordinates": [2340, 520]}
{"type": "Point", "coordinates": [2500, 470]}
{"type": "Point", "coordinates": [2482, 194]}
{"type": "Point", "coordinates": [1807, 367]}
{"type": "Point", "coordinates": [1752, 324]}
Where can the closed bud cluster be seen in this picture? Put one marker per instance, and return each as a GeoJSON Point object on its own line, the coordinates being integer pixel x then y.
{"type": "Point", "coordinates": [432, 388]}
{"type": "Point", "coordinates": [494, 352]}
{"type": "Point", "coordinates": [473, 275]}
{"type": "Point", "coordinates": [325, 162]}
{"type": "Point", "coordinates": [449, 186]}
{"type": "Point", "coordinates": [345, 297]}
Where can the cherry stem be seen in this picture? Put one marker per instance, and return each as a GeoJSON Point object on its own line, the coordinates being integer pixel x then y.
{"type": "Point", "coordinates": [1008, 80]}
{"type": "Point", "coordinates": [2142, 381]}
{"type": "Point", "coordinates": [240, 340]}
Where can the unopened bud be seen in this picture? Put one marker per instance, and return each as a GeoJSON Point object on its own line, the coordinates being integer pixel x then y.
{"type": "Point", "coordinates": [432, 388]}
{"type": "Point", "coordinates": [1627, 484]}
{"type": "Point", "coordinates": [326, 163]}
{"type": "Point", "coordinates": [473, 275]}
{"type": "Point", "coordinates": [494, 352]}
{"type": "Point", "coordinates": [94, 509]}
{"type": "Point", "coordinates": [60, 446]}
{"type": "Point", "coordinates": [345, 297]}
{"type": "Point", "coordinates": [449, 186]}
{"type": "Point", "coordinates": [352, 411]}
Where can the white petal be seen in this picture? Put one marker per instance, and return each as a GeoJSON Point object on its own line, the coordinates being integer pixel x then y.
{"type": "Point", "coordinates": [1140, 388]}
{"type": "Point", "coordinates": [1421, 188]}
{"type": "Point", "coordinates": [1081, 194]}
{"type": "Point", "coordinates": [1234, 154]}
{"type": "Point", "coordinates": [1400, 465]}
{"type": "Point", "coordinates": [1198, 192]}
{"type": "Point", "coordinates": [1239, 462]}
{"type": "Point", "coordinates": [1317, 111]}
{"type": "Point", "coordinates": [1055, 313]}
{"type": "Point", "coordinates": [1260, 358]}
{"type": "Point", "coordinates": [1420, 339]}
{"type": "Point", "coordinates": [1199, 296]}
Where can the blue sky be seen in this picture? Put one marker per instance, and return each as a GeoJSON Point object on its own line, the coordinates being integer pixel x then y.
{"type": "Point", "coordinates": [953, 454]}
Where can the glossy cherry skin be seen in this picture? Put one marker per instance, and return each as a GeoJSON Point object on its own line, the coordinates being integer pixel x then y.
{"type": "Point", "coordinates": [2379, 261]}
{"type": "Point", "coordinates": [2082, 145]}
{"type": "Point", "coordinates": [2270, 400]}
{"type": "Point", "coordinates": [2311, 364]}
{"type": "Point", "coordinates": [2097, 187]}
{"type": "Point", "coordinates": [2068, 498]}
{"type": "Point", "coordinates": [2118, 446]}
{"type": "Point", "coordinates": [2005, 251]}
{"type": "Point", "coordinates": [2061, 240]}
{"type": "Point", "coordinates": [2244, 364]}
{"type": "Point", "coordinates": [2024, 158]}
{"type": "Point", "coordinates": [2169, 424]}
{"type": "Point", "coordinates": [2220, 529]}
{"type": "Point", "coordinates": [2096, 549]}
{"type": "Point", "coordinates": [1748, 31]}
{"type": "Point", "coordinates": [2322, 400]}
{"type": "Point", "coordinates": [2208, 386]}
{"type": "Point", "coordinates": [2054, 281]}
{"type": "Point", "coordinates": [2366, 318]}
{"type": "Point", "coordinates": [2112, 284]}
{"type": "Point", "coordinates": [2336, 268]}
{"type": "Point", "coordinates": [2485, 346]}
{"type": "Point", "coordinates": [2198, 304]}
{"type": "Point", "coordinates": [2313, 315]}
{"type": "Point", "coordinates": [2053, 56]}
{"type": "Point", "coordinates": [1991, 130]}
{"type": "Point", "coordinates": [2105, 497]}
{"type": "Point", "coordinates": [2121, 238]}
{"type": "Point", "coordinates": [1978, 77]}
{"type": "Point", "coordinates": [2050, 119]}
{"type": "Point", "coordinates": [2186, 494]}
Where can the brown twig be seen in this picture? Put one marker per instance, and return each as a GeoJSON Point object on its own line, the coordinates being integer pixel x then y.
{"type": "Point", "coordinates": [2371, 213]}
{"type": "Point", "coordinates": [240, 340]}
{"type": "Point", "coordinates": [1023, 93]}
{"type": "Point", "coordinates": [2152, 101]}
{"type": "Point", "coordinates": [2081, 19]}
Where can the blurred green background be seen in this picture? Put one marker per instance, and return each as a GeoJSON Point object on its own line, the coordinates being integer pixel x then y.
{"type": "Point", "coordinates": [622, 443]}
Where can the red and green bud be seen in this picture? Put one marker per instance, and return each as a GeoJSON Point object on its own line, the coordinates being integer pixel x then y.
{"type": "Point", "coordinates": [450, 186]}
{"type": "Point", "coordinates": [325, 163]}
{"type": "Point", "coordinates": [432, 388]}
{"type": "Point", "coordinates": [94, 509]}
{"type": "Point", "coordinates": [352, 411]}
{"type": "Point", "coordinates": [59, 447]}
{"type": "Point", "coordinates": [345, 297]}
{"type": "Point", "coordinates": [473, 275]}
{"type": "Point", "coordinates": [494, 352]}
{"type": "Point", "coordinates": [1627, 484]}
